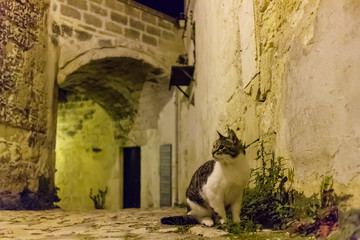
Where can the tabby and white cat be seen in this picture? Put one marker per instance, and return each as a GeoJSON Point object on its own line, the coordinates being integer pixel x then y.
{"type": "Point", "coordinates": [217, 185]}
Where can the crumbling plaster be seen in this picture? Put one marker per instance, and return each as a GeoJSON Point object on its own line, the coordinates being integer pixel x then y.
{"type": "Point", "coordinates": [86, 154]}
{"type": "Point", "coordinates": [320, 118]}
{"type": "Point", "coordinates": [27, 110]}
{"type": "Point", "coordinates": [301, 102]}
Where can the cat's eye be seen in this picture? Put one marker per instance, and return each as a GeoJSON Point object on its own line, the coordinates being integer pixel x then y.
{"type": "Point", "coordinates": [221, 147]}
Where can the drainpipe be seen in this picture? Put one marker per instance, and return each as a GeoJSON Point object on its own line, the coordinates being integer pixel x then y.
{"type": "Point", "coordinates": [177, 109]}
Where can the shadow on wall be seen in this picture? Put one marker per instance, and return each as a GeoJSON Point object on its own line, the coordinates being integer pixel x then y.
{"type": "Point", "coordinates": [99, 104]}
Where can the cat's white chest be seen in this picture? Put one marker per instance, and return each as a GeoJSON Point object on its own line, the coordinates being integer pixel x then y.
{"type": "Point", "coordinates": [226, 183]}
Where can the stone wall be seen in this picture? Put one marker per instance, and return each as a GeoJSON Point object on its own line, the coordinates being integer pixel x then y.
{"type": "Point", "coordinates": [81, 26]}
{"type": "Point", "coordinates": [26, 107]}
{"type": "Point", "coordinates": [86, 154]}
{"type": "Point", "coordinates": [291, 85]}
{"type": "Point", "coordinates": [119, 54]}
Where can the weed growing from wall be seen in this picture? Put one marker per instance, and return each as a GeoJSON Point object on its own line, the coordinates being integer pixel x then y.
{"type": "Point", "coordinates": [270, 201]}
{"type": "Point", "coordinates": [99, 199]}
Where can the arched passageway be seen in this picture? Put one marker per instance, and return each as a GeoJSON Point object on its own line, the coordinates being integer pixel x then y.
{"type": "Point", "coordinates": [104, 106]}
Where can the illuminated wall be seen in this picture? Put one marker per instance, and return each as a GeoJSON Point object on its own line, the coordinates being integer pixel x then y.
{"type": "Point", "coordinates": [290, 80]}
{"type": "Point", "coordinates": [86, 154]}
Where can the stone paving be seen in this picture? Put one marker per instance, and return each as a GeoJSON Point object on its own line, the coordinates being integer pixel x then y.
{"type": "Point", "coordinates": [99, 224]}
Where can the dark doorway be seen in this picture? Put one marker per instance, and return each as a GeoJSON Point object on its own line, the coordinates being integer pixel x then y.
{"type": "Point", "coordinates": [131, 177]}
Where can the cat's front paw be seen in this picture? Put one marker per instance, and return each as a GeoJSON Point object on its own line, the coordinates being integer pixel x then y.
{"type": "Point", "coordinates": [222, 221]}
{"type": "Point", "coordinates": [207, 222]}
{"type": "Point", "coordinates": [236, 219]}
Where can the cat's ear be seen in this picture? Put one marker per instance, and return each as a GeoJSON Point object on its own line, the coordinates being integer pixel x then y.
{"type": "Point", "coordinates": [221, 136]}
{"type": "Point", "coordinates": [233, 136]}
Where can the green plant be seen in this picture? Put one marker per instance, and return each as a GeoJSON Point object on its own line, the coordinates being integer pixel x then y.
{"type": "Point", "coordinates": [99, 199]}
{"type": "Point", "coordinates": [266, 200]}
{"type": "Point", "coordinates": [270, 201]}
{"type": "Point", "coordinates": [244, 225]}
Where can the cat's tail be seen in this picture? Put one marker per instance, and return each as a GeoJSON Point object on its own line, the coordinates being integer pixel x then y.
{"type": "Point", "coordinates": [179, 220]}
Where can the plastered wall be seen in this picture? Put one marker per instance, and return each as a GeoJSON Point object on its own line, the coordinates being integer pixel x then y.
{"type": "Point", "coordinates": [294, 85]}
{"type": "Point", "coordinates": [86, 154]}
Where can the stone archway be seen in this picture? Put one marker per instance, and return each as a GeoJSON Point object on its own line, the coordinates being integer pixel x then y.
{"type": "Point", "coordinates": [123, 97]}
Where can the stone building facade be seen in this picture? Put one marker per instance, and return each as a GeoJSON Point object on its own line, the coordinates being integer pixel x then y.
{"type": "Point", "coordinates": [83, 80]}
{"type": "Point", "coordinates": [280, 71]}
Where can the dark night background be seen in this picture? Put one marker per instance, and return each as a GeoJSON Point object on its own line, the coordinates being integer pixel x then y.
{"type": "Point", "coordinates": [172, 8]}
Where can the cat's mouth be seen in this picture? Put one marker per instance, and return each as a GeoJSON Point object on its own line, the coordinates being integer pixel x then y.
{"type": "Point", "coordinates": [216, 153]}
{"type": "Point", "coordinates": [219, 156]}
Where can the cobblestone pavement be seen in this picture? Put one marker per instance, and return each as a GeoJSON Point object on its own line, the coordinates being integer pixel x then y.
{"type": "Point", "coordinates": [98, 224]}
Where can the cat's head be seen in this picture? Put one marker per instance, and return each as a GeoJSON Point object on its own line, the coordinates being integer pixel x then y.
{"type": "Point", "coordinates": [226, 149]}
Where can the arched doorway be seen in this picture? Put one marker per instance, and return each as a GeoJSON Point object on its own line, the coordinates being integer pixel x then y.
{"type": "Point", "coordinates": [104, 106]}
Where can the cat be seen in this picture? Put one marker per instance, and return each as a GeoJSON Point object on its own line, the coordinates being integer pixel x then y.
{"type": "Point", "coordinates": [217, 185]}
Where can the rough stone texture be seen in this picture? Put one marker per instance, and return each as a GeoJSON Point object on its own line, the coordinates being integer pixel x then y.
{"type": "Point", "coordinates": [85, 147]}
{"type": "Point", "coordinates": [82, 36]}
{"type": "Point", "coordinates": [70, 12]}
{"type": "Point", "coordinates": [164, 24]}
{"type": "Point", "coordinates": [110, 26]}
{"type": "Point", "coordinates": [131, 11]}
{"type": "Point", "coordinates": [119, 18]}
{"type": "Point", "coordinates": [26, 131]}
{"type": "Point", "coordinates": [113, 4]}
{"type": "Point", "coordinates": [80, 4]}
{"type": "Point", "coordinates": [131, 33]}
{"type": "Point", "coordinates": [137, 24]}
{"type": "Point", "coordinates": [101, 17]}
{"type": "Point", "coordinates": [149, 39]}
{"type": "Point", "coordinates": [100, 224]}
{"type": "Point", "coordinates": [98, 10]}
{"type": "Point", "coordinates": [134, 94]}
{"type": "Point", "coordinates": [153, 30]}
{"type": "Point", "coordinates": [92, 20]}
{"type": "Point", "coordinates": [149, 18]}
{"type": "Point", "coordinates": [292, 85]}
{"type": "Point", "coordinates": [325, 112]}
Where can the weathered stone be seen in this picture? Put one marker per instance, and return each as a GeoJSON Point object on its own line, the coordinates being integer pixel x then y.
{"type": "Point", "coordinates": [82, 36]}
{"type": "Point", "coordinates": [164, 24]}
{"type": "Point", "coordinates": [119, 18]}
{"type": "Point", "coordinates": [114, 5]}
{"type": "Point", "coordinates": [92, 20]}
{"type": "Point", "coordinates": [149, 39]}
{"type": "Point", "coordinates": [131, 33]}
{"type": "Point", "coordinates": [86, 27]}
{"type": "Point", "coordinates": [81, 4]}
{"type": "Point", "coordinates": [105, 43]}
{"type": "Point", "coordinates": [149, 18]}
{"type": "Point", "coordinates": [55, 28]}
{"type": "Point", "coordinates": [112, 27]}
{"type": "Point", "coordinates": [167, 35]}
{"type": "Point", "coordinates": [70, 12]}
{"type": "Point", "coordinates": [132, 11]}
{"type": "Point", "coordinates": [66, 30]}
{"type": "Point", "coordinates": [97, 1]}
{"type": "Point", "coordinates": [137, 24]}
{"type": "Point", "coordinates": [153, 30]}
{"type": "Point", "coordinates": [98, 10]}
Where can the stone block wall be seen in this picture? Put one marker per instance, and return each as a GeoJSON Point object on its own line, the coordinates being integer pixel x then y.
{"type": "Point", "coordinates": [109, 23]}
{"type": "Point", "coordinates": [26, 96]}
